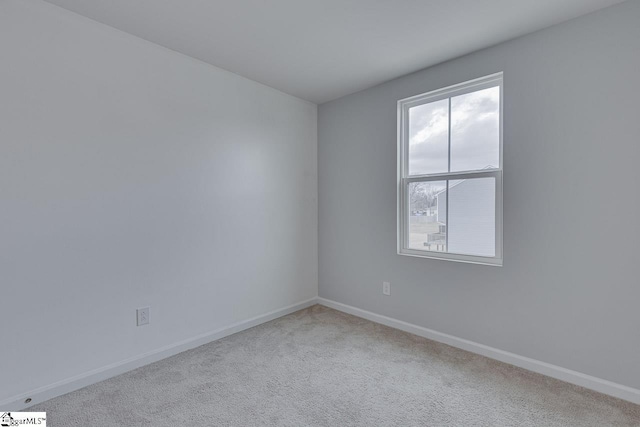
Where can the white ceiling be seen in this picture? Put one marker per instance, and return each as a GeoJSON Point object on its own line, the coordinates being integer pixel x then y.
{"type": "Point", "coordinates": [320, 50]}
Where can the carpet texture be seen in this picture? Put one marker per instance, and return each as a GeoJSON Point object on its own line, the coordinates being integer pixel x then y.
{"type": "Point", "coordinates": [320, 367]}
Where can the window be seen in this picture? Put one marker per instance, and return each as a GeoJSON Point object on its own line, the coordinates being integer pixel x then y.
{"type": "Point", "coordinates": [450, 173]}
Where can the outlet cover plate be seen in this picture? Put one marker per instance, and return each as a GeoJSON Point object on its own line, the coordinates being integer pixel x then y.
{"type": "Point", "coordinates": [386, 288]}
{"type": "Point", "coordinates": [143, 316]}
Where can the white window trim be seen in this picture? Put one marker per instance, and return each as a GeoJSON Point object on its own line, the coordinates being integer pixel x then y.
{"type": "Point", "coordinates": [404, 179]}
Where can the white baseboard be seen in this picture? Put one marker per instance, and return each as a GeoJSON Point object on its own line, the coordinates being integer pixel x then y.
{"type": "Point", "coordinates": [587, 381]}
{"type": "Point", "coordinates": [68, 385]}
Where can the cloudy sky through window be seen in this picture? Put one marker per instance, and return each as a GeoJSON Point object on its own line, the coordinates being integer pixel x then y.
{"type": "Point", "coordinates": [475, 142]}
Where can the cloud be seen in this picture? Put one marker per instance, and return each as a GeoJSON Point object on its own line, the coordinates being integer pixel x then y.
{"type": "Point", "coordinates": [474, 133]}
{"type": "Point", "coordinates": [428, 138]}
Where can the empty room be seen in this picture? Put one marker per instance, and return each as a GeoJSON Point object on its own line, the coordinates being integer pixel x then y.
{"type": "Point", "coordinates": [320, 213]}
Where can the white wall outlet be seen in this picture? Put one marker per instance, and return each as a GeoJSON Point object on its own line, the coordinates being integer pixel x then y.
{"type": "Point", "coordinates": [143, 316]}
{"type": "Point", "coordinates": [386, 288]}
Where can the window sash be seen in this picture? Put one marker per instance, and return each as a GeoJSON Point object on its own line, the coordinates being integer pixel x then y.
{"type": "Point", "coordinates": [494, 80]}
{"type": "Point", "coordinates": [405, 222]}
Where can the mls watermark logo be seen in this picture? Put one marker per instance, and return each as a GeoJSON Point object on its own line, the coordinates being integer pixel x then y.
{"type": "Point", "coordinates": [9, 419]}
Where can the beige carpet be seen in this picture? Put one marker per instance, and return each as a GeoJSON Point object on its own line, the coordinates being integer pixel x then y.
{"type": "Point", "coordinates": [320, 367]}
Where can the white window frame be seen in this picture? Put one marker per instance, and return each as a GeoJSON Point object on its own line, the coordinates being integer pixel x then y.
{"type": "Point", "coordinates": [404, 179]}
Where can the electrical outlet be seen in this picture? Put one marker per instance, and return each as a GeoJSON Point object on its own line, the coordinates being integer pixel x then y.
{"type": "Point", "coordinates": [143, 316]}
{"type": "Point", "coordinates": [386, 288]}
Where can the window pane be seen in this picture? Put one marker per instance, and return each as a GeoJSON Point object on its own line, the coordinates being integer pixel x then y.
{"type": "Point", "coordinates": [475, 135]}
{"type": "Point", "coordinates": [472, 217]}
{"type": "Point", "coordinates": [429, 138]}
{"type": "Point", "coordinates": [427, 216]}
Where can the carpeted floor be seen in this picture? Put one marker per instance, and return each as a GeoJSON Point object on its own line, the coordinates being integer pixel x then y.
{"type": "Point", "coordinates": [320, 367]}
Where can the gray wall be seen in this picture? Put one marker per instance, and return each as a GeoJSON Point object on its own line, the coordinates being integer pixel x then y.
{"type": "Point", "coordinates": [569, 290]}
{"type": "Point", "coordinates": [130, 176]}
